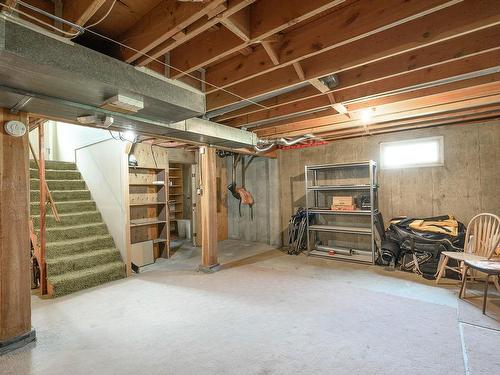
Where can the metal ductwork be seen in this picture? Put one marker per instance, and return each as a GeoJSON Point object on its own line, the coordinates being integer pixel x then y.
{"type": "Point", "coordinates": [56, 78]}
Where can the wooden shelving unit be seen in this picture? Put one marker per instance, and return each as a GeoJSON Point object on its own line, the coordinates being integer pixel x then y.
{"type": "Point", "coordinates": [148, 205]}
{"type": "Point", "coordinates": [176, 194]}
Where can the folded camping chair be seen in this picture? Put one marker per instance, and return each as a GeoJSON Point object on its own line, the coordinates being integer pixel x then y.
{"type": "Point", "coordinates": [481, 240]}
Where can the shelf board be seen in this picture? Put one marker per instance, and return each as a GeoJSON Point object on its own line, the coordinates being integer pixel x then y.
{"type": "Point", "coordinates": [174, 185]}
{"type": "Point", "coordinates": [326, 211]}
{"type": "Point", "coordinates": [343, 165]}
{"type": "Point", "coordinates": [358, 258]}
{"type": "Point", "coordinates": [159, 240]}
{"type": "Point", "coordinates": [340, 229]}
{"type": "Point", "coordinates": [341, 187]}
{"type": "Point", "coordinates": [147, 184]}
{"type": "Point", "coordinates": [176, 194]}
{"type": "Point", "coordinates": [146, 204]}
{"type": "Point", "coordinates": [174, 169]}
{"type": "Point", "coordinates": [143, 222]}
{"type": "Point", "coordinates": [146, 168]}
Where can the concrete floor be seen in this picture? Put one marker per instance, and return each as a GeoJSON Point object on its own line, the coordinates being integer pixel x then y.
{"type": "Point", "coordinates": [264, 313]}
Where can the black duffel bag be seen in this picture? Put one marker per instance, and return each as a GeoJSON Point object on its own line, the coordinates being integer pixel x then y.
{"type": "Point", "coordinates": [420, 251]}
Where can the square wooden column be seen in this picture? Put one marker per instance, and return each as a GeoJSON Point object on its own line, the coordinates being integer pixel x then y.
{"type": "Point", "coordinates": [208, 158]}
{"type": "Point", "coordinates": [15, 279]}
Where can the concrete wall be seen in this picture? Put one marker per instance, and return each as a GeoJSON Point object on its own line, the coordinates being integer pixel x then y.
{"type": "Point", "coordinates": [261, 180]}
{"type": "Point", "coordinates": [467, 184]}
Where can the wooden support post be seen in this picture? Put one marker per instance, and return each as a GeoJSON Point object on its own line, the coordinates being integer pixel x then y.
{"type": "Point", "coordinates": [43, 202]}
{"type": "Point", "coordinates": [15, 294]}
{"type": "Point", "coordinates": [209, 261]}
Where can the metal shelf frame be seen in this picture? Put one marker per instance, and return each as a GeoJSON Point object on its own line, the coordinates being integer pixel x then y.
{"type": "Point", "coordinates": [312, 187]}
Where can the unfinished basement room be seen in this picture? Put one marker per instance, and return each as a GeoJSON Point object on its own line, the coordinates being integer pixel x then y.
{"type": "Point", "coordinates": [249, 187]}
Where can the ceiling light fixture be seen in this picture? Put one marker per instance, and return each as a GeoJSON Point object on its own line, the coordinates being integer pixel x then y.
{"type": "Point", "coordinates": [367, 115]}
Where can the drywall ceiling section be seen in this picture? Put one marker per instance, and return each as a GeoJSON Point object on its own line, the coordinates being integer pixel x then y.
{"type": "Point", "coordinates": [64, 80]}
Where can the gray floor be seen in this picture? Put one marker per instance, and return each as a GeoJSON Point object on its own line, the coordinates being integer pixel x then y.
{"type": "Point", "coordinates": [263, 313]}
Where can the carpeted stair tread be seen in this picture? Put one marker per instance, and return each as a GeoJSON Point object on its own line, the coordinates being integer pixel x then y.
{"type": "Point", "coordinates": [70, 263]}
{"type": "Point", "coordinates": [66, 207]}
{"type": "Point", "coordinates": [69, 232]}
{"type": "Point", "coordinates": [57, 249]}
{"type": "Point", "coordinates": [63, 195]}
{"type": "Point", "coordinates": [49, 164]}
{"type": "Point", "coordinates": [72, 218]}
{"type": "Point", "coordinates": [58, 184]}
{"type": "Point", "coordinates": [86, 278]}
{"type": "Point", "coordinates": [57, 174]}
{"type": "Point", "coordinates": [80, 253]}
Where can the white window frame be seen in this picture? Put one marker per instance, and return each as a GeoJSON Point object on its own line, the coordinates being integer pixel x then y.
{"type": "Point", "coordinates": [439, 163]}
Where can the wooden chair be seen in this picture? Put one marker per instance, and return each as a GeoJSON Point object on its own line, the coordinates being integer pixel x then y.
{"type": "Point", "coordinates": [481, 240]}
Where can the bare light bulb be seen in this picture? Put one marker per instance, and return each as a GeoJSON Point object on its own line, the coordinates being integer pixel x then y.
{"type": "Point", "coordinates": [366, 116]}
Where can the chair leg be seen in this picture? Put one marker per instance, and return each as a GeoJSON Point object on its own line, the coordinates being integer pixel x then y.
{"type": "Point", "coordinates": [444, 262]}
{"type": "Point", "coordinates": [464, 281]}
{"type": "Point", "coordinates": [497, 284]}
{"type": "Point", "coordinates": [485, 293]}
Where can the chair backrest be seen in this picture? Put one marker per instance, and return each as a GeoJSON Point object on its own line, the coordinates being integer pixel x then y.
{"type": "Point", "coordinates": [483, 235]}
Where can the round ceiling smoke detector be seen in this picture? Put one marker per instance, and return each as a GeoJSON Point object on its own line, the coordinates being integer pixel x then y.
{"type": "Point", "coordinates": [15, 128]}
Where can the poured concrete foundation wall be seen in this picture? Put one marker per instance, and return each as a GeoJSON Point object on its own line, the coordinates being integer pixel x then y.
{"type": "Point", "coordinates": [261, 180]}
{"type": "Point", "coordinates": [467, 184]}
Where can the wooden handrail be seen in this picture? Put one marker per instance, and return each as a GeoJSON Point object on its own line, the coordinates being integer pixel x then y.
{"type": "Point", "coordinates": [34, 242]}
{"type": "Point", "coordinates": [49, 195]}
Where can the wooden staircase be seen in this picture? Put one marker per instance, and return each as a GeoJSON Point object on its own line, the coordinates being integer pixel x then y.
{"type": "Point", "coordinates": [80, 252]}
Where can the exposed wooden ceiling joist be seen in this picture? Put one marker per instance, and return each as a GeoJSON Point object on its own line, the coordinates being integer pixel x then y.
{"type": "Point", "coordinates": [199, 52]}
{"type": "Point", "coordinates": [451, 22]}
{"type": "Point", "coordinates": [80, 12]}
{"type": "Point", "coordinates": [392, 68]}
{"type": "Point", "coordinates": [161, 23]}
{"type": "Point", "coordinates": [330, 31]}
{"type": "Point", "coordinates": [194, 30]}
{"type": "Point", "coordinates": [239, 23]}
{"type": "Point", "coordinates": [466, 98]}
{"type": "Point", "coordinates": [481, 113]}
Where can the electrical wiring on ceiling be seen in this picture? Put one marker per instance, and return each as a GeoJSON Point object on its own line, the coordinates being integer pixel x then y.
{"type": "Point", "coordinates": [103, 17]}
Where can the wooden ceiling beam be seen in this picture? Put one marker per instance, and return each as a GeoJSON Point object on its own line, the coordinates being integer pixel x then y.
{"type": "Point", "coordinates": [239, 23]}
{"type": "Point", "coordinates": [80, 12]}
{"type": "Point", "coordinates": [164, 21]}
{"type": "Point", "coordinates": [324, 34]}
{"type": "Point", "coordinates": [418, 108]}
{"type": "Point", "coordinates": [199, 51]}
{"type": "Point", "coordinates": [400, 65]}
{"type": "Point", "coordinates": [448, 23]}
{"type": "Point", "coordinates": [194, 30]}
{"type": "Point", "coordinates": [271, 51]}
{"type": "Point", "coordinates": [487, 111]}
{"type": "Point", "coordinates": [453, 91]}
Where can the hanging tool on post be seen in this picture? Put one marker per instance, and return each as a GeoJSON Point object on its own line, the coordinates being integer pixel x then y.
{"type": "Point", "coordinates": [240, 193]}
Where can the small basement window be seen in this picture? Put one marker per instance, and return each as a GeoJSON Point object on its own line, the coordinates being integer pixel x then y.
{"type": "Point", "coordinates": [420, 152]}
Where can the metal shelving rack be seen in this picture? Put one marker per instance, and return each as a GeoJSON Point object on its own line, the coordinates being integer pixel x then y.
{"type": "Point", "coordinates": [361, 220]}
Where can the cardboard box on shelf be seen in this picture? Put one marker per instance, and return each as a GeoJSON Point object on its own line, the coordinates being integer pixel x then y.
{"type": "Point", "coordinates": [343, 201]}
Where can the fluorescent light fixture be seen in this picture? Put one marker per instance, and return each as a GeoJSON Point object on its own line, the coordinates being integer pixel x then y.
{"type": "Point", "coordinates": [419, 152]}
